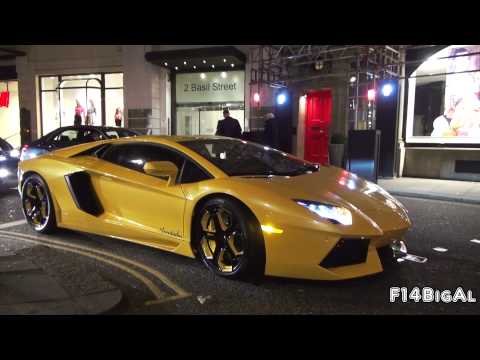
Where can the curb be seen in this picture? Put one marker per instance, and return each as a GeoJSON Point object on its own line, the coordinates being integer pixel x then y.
{"type": "Point", "coordinates": [435, 197]}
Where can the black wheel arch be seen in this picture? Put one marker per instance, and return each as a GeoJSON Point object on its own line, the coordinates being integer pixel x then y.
{"type": "Point", "coordinates": [27, 174]}
{"type": "Point", "coordinates": [208, 197]}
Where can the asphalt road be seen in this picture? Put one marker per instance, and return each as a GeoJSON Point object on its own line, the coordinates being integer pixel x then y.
{"type": "Point", "coordinates": [184, 286]}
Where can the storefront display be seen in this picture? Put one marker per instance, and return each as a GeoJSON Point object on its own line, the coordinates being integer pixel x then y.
{"type": "Point", "coordinates": [444, 98]}
{"type": "Point", "coordinates": [91, 99]}
{"type": "Point", "coordinates": [10, 113]}
{"type": "Point", "coordinates": [201, 97]}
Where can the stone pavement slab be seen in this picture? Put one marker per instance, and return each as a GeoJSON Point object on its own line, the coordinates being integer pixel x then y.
{"type": "Point", "coordinates": [40, 281]}
{"type": "Point", "coordinates": [437, 189]}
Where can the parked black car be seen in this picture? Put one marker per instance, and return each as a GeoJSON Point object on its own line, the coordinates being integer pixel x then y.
{"type": "Point", "coordinates": [8, 165]}
{"type": "Point", "coordinates": [70, 136]}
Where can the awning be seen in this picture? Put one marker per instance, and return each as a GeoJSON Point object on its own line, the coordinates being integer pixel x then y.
{"type": "Point", "coordinates": [220, 58]}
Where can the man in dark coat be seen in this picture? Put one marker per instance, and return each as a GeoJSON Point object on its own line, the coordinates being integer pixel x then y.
{"type": "Point", "coordinates": [272, 132]}
{"type": "Point", "coordinates": [229, 126]}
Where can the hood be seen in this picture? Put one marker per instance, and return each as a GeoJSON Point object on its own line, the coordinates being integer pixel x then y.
{"type": "Point", "coordinates": [338, 187]}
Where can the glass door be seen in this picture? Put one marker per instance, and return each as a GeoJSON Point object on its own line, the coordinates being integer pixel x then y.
{"type": "Point", "coordinates": [203, 119]}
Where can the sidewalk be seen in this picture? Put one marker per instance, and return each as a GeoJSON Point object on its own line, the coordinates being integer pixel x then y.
{"type": "Point", "coordinates": [33, 282]}
{"type": "Point", "coordinates": [447, 190]}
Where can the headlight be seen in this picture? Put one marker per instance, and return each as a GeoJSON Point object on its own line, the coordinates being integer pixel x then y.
{"type": "Point", "coordinates": [4, 173]}
{"type": "Point", "coordinates": [3, 158]}
{"type": "Point", "coordinates": [335, 214]}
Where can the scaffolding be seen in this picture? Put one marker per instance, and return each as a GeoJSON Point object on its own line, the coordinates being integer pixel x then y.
{"type": "Point", "coordinates": [278, 66]}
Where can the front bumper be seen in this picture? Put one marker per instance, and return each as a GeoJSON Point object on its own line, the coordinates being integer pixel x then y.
{"type": "Point", "coordinates": [303, 254]}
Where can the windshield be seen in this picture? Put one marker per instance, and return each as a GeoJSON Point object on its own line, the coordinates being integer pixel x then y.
{"type": "Point", "coordinates": [237, 157]}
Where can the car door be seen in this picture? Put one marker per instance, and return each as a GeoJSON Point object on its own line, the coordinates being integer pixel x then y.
{"type": "Point", "coordinates": [139, 205]}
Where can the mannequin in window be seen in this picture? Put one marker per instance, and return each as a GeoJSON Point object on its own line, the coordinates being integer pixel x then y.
{"type": "Point", "coordinates": [79, 114]}
{"type": "Point", "coordinates": [118, 117]}
{"type": "Point", "coordinates": [91, 113]}
{"type": "Point", "coordinates": [442, 125]}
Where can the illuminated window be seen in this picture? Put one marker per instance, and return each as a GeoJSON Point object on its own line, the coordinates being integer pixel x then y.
{"type": "Point", "coordinates": [444, 98]}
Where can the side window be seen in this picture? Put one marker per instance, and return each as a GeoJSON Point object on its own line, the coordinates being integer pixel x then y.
{"type": "Point", "coordinates": [96, 151]}
{"type": "Point", "coordinates": [86, 136]}
{"type": "Point", "coordinates": [66, 138]}
{"type": "Point", "coordinates": [193, 173]}
{"type": "Point", "coordinates": [134, 156]}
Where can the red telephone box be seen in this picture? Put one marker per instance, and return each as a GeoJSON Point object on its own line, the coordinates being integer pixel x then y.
{"type": "Point", "coordinates": [317, 124]}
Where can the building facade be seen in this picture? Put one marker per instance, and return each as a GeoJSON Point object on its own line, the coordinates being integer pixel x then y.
{"type": "Point", "coordinates": [439, 133]}
{"type": "Point", "coordinates": [182, 89]}
{"type": "Point", "coordinates": [157, 89]}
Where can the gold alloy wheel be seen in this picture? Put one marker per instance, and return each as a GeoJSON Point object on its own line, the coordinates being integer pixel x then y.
{"type": "Point", "coordinates": [36, 205]}
{"type": "Point", "coordinates": [222, 239]}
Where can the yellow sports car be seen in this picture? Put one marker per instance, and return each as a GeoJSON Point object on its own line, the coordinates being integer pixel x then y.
{"type": "Point", "coordinates": [242, 208]}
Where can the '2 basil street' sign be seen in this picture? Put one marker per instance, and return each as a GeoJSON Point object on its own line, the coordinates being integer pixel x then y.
{"type": "Point", "coordinates": [210, 87]}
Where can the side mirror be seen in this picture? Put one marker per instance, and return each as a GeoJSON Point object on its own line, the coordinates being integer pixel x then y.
{"type": "Point", "coordinates": [162, 169]}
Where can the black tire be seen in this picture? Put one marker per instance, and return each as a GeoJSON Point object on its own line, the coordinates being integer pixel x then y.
{"type": "Point", "coordinates": [35, 192]}
{"type": "Point", "coordinates": [242, 251]}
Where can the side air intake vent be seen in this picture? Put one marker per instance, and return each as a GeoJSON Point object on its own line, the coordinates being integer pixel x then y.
{"type": "Point", "coordinates": [83, 193]}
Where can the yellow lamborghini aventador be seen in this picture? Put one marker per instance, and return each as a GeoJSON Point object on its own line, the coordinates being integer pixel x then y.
{"type": "Point", "coordinates": [242, 208]}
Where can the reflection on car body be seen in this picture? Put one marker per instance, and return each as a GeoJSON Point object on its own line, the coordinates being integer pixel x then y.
{"type": "Point", "coordinates": [242, 208]}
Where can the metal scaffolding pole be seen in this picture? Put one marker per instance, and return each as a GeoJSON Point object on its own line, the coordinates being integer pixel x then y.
{"type": "Point", "coordinates": [278, 66]}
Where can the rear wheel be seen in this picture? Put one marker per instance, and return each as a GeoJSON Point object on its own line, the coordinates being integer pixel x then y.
{"type": "Point", "coordinates": [228, 239]}
{"type": "Point", "coordinates": [37, 204]}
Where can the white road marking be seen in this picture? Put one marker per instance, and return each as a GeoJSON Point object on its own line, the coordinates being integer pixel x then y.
{"type": "Point", "coordinates": [12, 224]}
{"type": "Point", "coordinates": [476, 241]}
{"type": "Point", "coordinates": [90, 252]}
{"type": "Point", "coordinates": [415, 258]}
{"type": "Point", "coordinates": [440, 249]}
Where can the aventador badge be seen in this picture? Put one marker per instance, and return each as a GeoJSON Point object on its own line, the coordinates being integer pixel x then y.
{"type": "Point", "coordinates": [171, 233]}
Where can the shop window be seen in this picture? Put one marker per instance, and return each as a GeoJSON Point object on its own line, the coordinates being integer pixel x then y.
{"type": "Point", "coordinates": [50, 112]}
{"type": "Point", "coordinates": [50, 83]}
{"type": "Point", "coordinates": [114, 106]}
{"type": "Point", "coordinates": [61, 95]}
{"type": "Point", "coordinates": [77, 77]}
{"type": "Point", "coordinates": [114, 80]}
{"type": "Point", "coordinates": [444, 98]}
{"type": "Point", "coordinates": [10, 115]}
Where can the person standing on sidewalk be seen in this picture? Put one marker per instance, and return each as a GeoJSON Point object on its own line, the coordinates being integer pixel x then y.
{"type": "Point", "coordinates": [272, 132]}
{"type": "Point", "coordinates": [229, 126]}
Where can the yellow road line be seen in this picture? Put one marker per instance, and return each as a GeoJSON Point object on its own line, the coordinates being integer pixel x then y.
{"type": "Point", "coordinates": [161, 301]}
{"type": "Point", "coordinates": [12, 224]}
{"type": "Point", "coordinates": [148, 283]}
{"type": "Point", "coordinates": [157, 274]}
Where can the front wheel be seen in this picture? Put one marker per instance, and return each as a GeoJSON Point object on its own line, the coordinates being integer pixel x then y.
{"type": "Point", "coordinates": [228, 239]}
{"type": "Point", "coordinates": [37, 204]}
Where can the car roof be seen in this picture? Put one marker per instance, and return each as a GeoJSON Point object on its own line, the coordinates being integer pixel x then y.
{"type": "Point", "coordinates": [90, 127]}
{"type": "Point", "coordinates": [179, 138]}
{"type": "Point", "coordinates": [83, 127]}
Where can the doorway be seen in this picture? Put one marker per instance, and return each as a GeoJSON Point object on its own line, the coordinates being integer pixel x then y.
{"type": "Point", "coordinates": [317, 123]}
{"type": "Point", "coordinates": [203, 119]}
